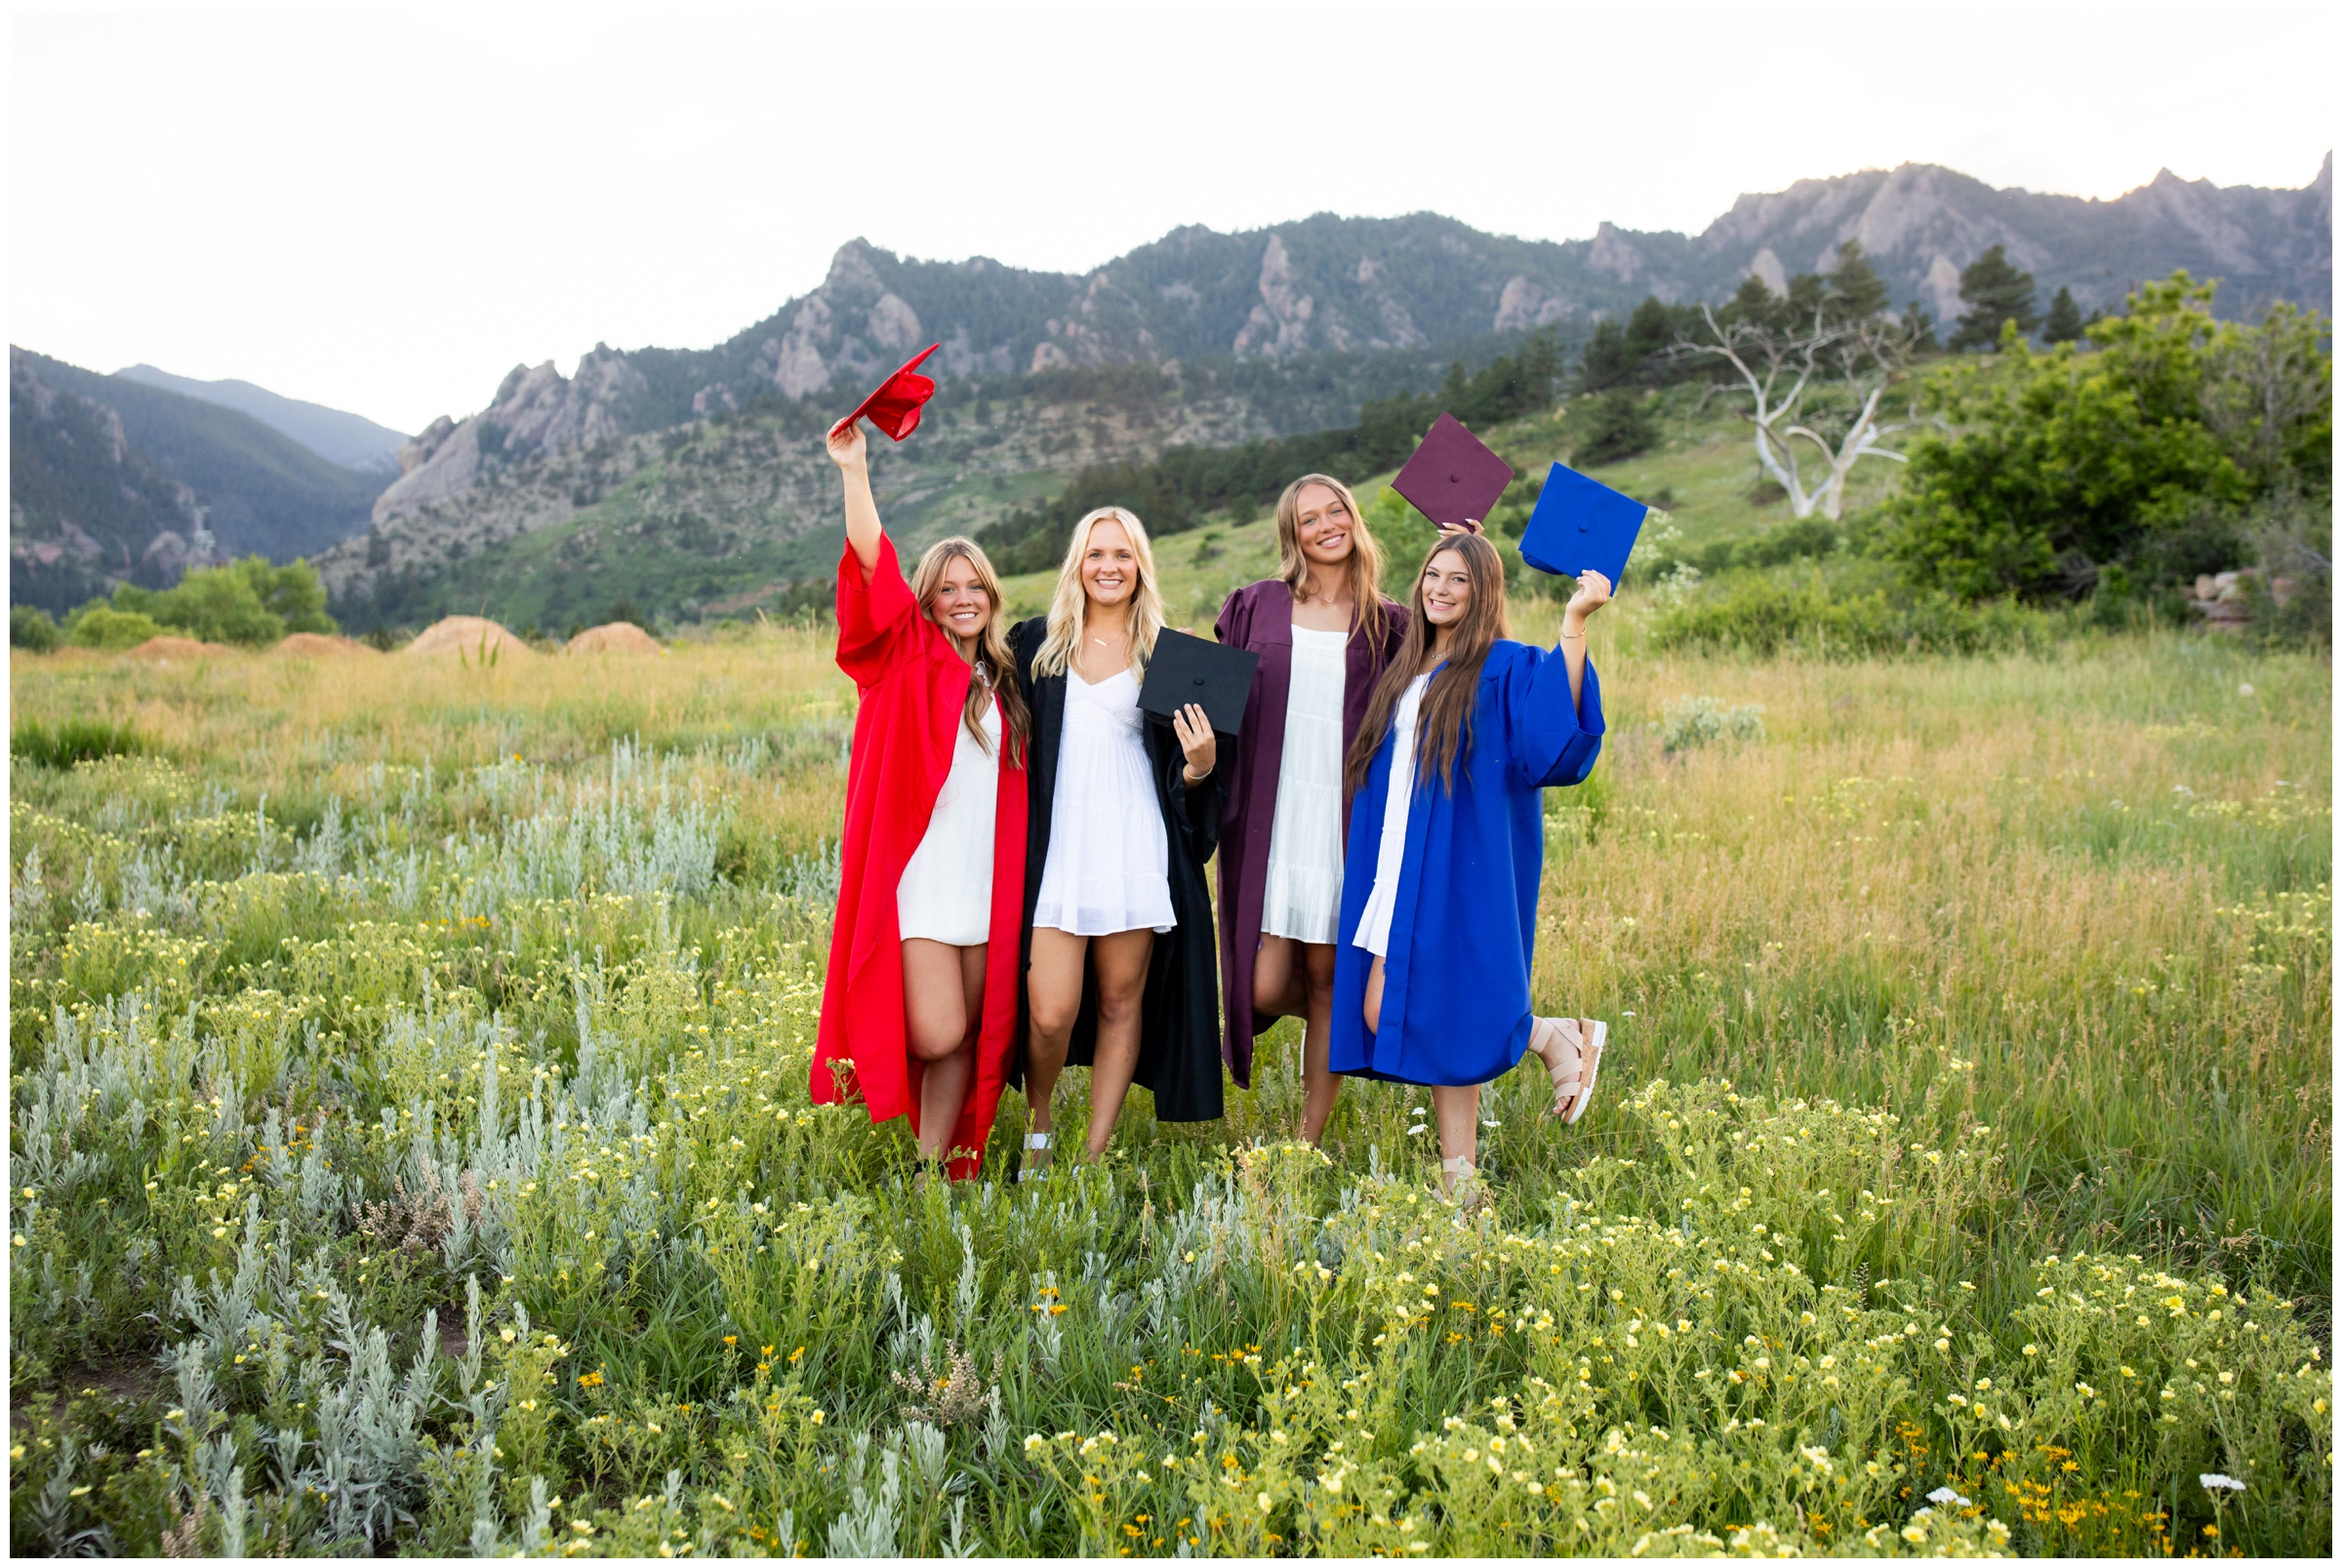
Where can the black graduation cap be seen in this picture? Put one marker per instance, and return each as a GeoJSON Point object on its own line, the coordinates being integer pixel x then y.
{"type": "Point", "coordinates": [1188, 670]}
{"type": "Point", "coordinates": [1581, 525]}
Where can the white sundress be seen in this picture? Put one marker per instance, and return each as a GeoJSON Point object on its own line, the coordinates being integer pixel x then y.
{"type": "Point", "coordinates": [1300, 897]}
{"type": "Point", "coordinates": [946, 894]}
{"type": "Point", "coordinates": [1110, 860]}
{"type": "Point", "coordinates": [1374, 922]}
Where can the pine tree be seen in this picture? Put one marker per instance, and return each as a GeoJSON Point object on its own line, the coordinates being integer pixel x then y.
{"type": "Point", "coordinates": [1649, 330]}
{"type": "Point", "coordinates": [1605, 361]}
{"type": "Point", "coordinates": [1857, 292]}
{"type": "Point", "coordinates": [2064, 322]}
{"type": "Point", "coordinates": [1920, 326]}
{"type": "Point", "coordinates": [1995, 291]}
{"type": "Point", "coordinates": [1612, 427]}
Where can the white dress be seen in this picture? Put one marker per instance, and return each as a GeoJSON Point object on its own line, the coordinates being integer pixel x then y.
{"type": "Point", "coordinates": [946, 894]}
{"type": "Point", "coordinates": [1374, 922]}
{"type": "Point", "coordinates": [1110, 861]}
{"type": "Point", "coordinates": [1302, 896]}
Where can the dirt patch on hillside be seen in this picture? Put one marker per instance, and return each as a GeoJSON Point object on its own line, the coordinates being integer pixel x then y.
{"type": "Point", "coordinates": [465, 635]}
{"type": "Point", "coordinates": [617, 637]}
{"type": "Point", "coordinates": [311, 645]}
{"type": "Point", "coordinates": [176, 648]}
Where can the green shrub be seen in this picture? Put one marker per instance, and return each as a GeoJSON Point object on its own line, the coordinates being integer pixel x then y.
{"type": "Point", "coordinates": [2294, 537]}
{"type": "Point", "coordinates": [29, 628]}
{"type": "Point", "coordinates": [1613, 426]}
{"type": "Point", "coordinates": [2143, 450]}
{"type": "Point", "coordinates": [72, 741]}
{"type": "Point", "coordinates": [248, 601]}
{"type": "Point", "coordinates": [100, 625]}
{"type": "Point", "coordinates": [1762, 616]}
{"type": "Point", "coordinates": [218, 605]}
{"type": "Point", "coordinates": [1690, 721]}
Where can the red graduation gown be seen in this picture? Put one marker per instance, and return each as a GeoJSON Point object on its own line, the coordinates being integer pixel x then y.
{"type": "Point", "coordinates": [914, 690]}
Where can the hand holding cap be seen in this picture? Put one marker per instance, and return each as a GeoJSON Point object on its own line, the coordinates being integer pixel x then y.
{"type": "Point", "coordinates": [895, 407]}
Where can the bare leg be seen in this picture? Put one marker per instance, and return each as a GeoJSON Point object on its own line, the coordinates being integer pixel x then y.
{"type": "Point", "coordinates": [943, 1013]}
{"type": "Point", "coordinates": [1053, 996]}
{"type": "Point", "coordinates": [1278, 982]}
{"type": "Point", "coordinates": [1374, 998]}
{"type": "Point", "coordinates": [1121, 991]}
{"type": "Point", "coordinates": [1458, 1113]}
{"type": "Point", "coordinates": [1319, 1084]}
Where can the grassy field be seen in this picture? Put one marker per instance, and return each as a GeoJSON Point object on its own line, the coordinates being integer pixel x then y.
{"type": "Point", "coordinates": [411, 1147]}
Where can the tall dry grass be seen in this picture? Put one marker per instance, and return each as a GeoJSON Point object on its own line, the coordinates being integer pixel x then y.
{"type": "Point", "coordinates": [2100, 877]}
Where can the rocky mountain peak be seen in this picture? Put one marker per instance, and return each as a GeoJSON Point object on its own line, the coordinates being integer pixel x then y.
{"type": "Point", "coordinates": [536, 410]}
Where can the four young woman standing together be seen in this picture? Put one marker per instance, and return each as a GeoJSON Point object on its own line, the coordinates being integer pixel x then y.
{"type": "Point", "coordinates": [1023, 861]}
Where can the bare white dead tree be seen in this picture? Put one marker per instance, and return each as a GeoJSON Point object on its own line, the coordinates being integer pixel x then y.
{"type": "Point", "coordinates": [1767, 349]}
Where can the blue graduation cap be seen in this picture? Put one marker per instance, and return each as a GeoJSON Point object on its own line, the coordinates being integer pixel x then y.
{"type": "Point", "coordinates": [1581, 525]}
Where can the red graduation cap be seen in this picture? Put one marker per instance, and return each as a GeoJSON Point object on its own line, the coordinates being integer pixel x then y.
{"type": "Point", "coordinates": [895, 407]}
{"type": "Point", "coordinates": [1452, 477]}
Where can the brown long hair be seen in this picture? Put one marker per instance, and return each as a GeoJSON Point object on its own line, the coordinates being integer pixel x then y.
{"type": "Point", "coordinates": [1368, 613]}
{"type": "Point", "coordinates": [1444, 725]}
{"type": "Point", "coordinates": [996, 666]}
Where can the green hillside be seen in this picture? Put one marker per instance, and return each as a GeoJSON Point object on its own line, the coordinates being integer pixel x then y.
{"type": "Point", "coordinates": [259, 489]}
{"type": "Point", "coordinates": [267, 493]}
{"type": "Point", "coordinates": [1703, 473]}
{"type": "Point", "coordinates": [695, 534]}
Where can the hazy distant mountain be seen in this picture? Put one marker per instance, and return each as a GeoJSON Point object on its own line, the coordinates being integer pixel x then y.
{"type": "Point", "coordinates": [1423, 284]}
{"type": "Point", "coordinates": [112, 479]}
{"type": "Point", "coordinates": [350, 439]}
{"type": "Point", "coordinates": [1920, 224]}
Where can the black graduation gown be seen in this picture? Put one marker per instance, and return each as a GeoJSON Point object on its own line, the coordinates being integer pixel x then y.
{"type": "Point", "coordinates": [1179, 1027]}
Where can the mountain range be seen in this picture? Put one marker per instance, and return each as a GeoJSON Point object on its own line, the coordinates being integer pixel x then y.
{"type": "Point", "coordinates": [1335, 285]}
{"type": "Point", "coordinates": [350, 439]}
{"type": "Point", "coordinates": [114, 480]}
{"type": "Point", "coordinates": [707, 462]}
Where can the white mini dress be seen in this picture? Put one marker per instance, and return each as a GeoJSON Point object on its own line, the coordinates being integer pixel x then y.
{"type": "Point", "coordinates": [1110, 861]}
{"type": "Point", "coordinates": [1374, 922]}
{"type": "Point", "coordinates": [1302, 895]}
{"type": "Point", "coordinates": [946, 894]}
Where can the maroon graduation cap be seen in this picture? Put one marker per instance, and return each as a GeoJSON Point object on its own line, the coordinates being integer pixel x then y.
{"type": "Point", "coordinates": [895, 407]}
{"type": "Point", "coordinates": [1452, 477]}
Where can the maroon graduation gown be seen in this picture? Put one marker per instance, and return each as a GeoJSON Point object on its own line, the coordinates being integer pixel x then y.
{"type": "Point", "coordinates": [1260, 618]}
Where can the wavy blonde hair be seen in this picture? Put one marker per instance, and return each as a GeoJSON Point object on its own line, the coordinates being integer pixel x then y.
{"type": "Point", "coordinates": [994, 661]}
{"type": "Point", "coordinates": [1367, 611]}
{"type": "Point", "coordinates": [1068, 608]}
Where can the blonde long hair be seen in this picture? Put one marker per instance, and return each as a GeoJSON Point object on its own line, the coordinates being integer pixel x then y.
{"type": "Point", "coordinates": [1068, 610]}
{"type": "Point", "coordinates": [1367, 613]}
{"type": "Point", "coordinates": [993, 661]}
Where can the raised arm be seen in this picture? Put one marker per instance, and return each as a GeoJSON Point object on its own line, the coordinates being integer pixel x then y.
{"type": "Point", "coordinates": [851, 454]}
{"type": "Point", "coordinates": [1593, 591]}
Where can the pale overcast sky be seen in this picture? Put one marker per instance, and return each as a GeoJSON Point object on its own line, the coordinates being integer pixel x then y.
{"type": "Point", "coordinates": [385, 211]}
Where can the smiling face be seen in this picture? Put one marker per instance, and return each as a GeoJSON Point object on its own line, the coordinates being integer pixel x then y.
{"type": "Point", "coordinates": [960, 604]}
{"type": "Point", "coordinates": [1446, 588]}
{"type": "Point", "coordinates": [1109, 567]}
{"type": "Point", "coordinates": [1322, 525]}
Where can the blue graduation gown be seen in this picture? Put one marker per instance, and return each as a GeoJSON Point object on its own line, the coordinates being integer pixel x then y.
{"type": "Point", "coordinates": [1456, 980]}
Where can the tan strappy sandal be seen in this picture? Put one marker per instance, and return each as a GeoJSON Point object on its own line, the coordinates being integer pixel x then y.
{"type": "Point", "coordinates": [1572, 1053]}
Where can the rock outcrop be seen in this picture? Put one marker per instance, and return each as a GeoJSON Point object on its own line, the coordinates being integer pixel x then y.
{"type": "Point", "coordinates": [1324, 284]}
{"type": "Point", "coordinates": [536, 411]}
